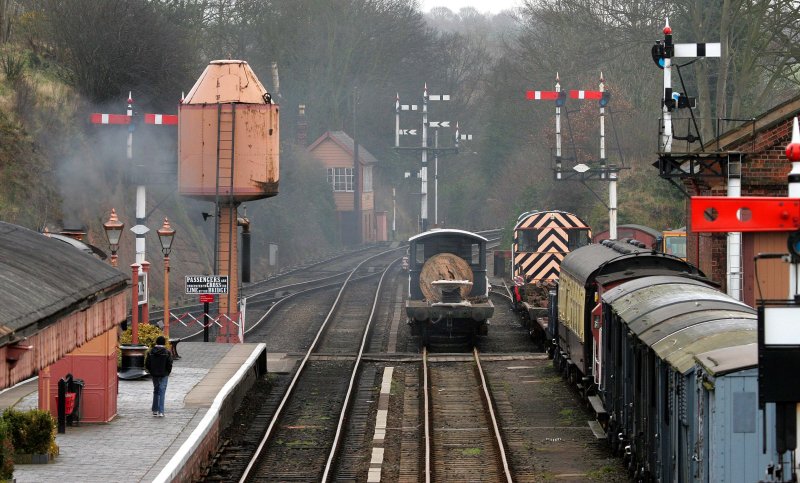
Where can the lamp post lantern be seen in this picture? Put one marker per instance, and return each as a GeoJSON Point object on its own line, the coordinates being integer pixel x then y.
{"type": "Point", "coordinates": [113, 229]}
{"type": "Point", "coordinates": [165, 235]}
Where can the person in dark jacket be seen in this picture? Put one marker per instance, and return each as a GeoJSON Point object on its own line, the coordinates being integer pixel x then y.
{"type": "Point", "coordinates": [159, 365]}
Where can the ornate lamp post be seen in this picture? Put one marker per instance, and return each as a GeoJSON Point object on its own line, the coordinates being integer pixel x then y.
{"type": "Point", "coordinates": [113, 228]}
{"type": "Point", "coordinates": [165, 235]}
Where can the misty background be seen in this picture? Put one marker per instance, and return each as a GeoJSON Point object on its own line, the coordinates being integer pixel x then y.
{"type": "Point", "coordinates": [346, 60]}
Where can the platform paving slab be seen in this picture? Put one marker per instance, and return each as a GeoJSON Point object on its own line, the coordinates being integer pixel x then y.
{"type": "Point", "coordinates": [135, 445]}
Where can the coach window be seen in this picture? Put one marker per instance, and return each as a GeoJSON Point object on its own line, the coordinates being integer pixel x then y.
{"type": "Point", "coordinates": [577, 239]}
{"type": "Point", "coordinates": [528, 240]}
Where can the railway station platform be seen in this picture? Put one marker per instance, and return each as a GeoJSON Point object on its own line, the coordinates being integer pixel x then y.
{"type": "Point", "coordinates": [206, 385]}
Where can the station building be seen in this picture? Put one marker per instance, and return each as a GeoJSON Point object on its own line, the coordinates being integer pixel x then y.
{"type": "Point", "coordinates": [60, 309]}
{"type": "Point", "coordinates": [335, 150]}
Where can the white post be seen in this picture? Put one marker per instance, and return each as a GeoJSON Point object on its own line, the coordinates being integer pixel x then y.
{"type": "Point", "coordinates": [424, 171]}
{"type": "Point", "coordinates": [734, 239]}
{"type": "Point", "coordinates": [436, 178]}
{"type": "Point", "coordinates": [558, 132]}
{"type": "Point", "coordinates": [140, 229]}
{"type": "Point", "coordinates": [394, 212]}
{"type": "Point", "coordinates": [612, 204]}
{"type": "Point", "coordinates": [397, 121]}
{"type": "Point", "coordinates": [666, 136]}
{"type": "Point", "coordinates": [612, 175]}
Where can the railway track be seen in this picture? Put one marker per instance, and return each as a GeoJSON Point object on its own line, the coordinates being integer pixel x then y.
{"type": "Point", "coordinates": [544, 427]}
{"type": "Point", "coordinates": [462, 439]}
{"type": "Point", "coordinates": [263, 296]}
{"type": "Point", "coordinates": [302, 439]}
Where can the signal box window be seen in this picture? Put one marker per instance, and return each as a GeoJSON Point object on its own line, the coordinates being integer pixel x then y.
{"type": "Point", "coordinates": [577, 239]}
{"type": "Point", "coordinates": [341, 179]}
{"type": "Point", "coordinates": [528, 240]}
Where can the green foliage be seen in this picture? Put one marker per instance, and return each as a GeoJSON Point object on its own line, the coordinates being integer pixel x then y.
{"type": "Point", "coordinates": [32, 432]}
{"type": "Point", "coordinates": [6, 451]}
{"type": "Point", "coordinates": [305, 192]}
{"type": "Point", "coordinates": [148, 334]}
{"type": "Point", "coordinates": [13, 66]}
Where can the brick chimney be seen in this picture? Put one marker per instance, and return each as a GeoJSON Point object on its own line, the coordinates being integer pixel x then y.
{"type": "Point", "coordinates": [301, 131]}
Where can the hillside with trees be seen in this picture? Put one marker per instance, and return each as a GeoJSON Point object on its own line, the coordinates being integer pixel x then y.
{"type": "Point", "coordinates": [346, 60]}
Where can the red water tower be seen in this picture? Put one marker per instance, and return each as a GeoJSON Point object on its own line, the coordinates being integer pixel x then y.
{"type": "Point", "coordinates": [228, 147]}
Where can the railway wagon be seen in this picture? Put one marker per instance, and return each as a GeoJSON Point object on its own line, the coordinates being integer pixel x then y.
{"type": "Point", "coordinates": [679, 382]}
{"type": "Point", "coordinates": [541, 240]}
{"type": "Point", "coordinates": [672, 242]}
{"type": "Point", "coordinates": [651, 237]}
{"type": "Point", "coordinates": [448, 287]}
{"type": "Point", "coordinates": [587, 273]}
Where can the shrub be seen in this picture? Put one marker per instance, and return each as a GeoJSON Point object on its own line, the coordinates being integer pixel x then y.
{"type": "Point", "coordinates": [13, 67]}
{"type": "Point", "coordinates": [148, 334]}
{"type": "Point", "coordinates": [32, 432]}
{"type": "Point", "coordinates": [6, 452]}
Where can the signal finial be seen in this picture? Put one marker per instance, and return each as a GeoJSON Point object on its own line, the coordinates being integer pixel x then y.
{"type": "Point", "coordinates": [667, 28]}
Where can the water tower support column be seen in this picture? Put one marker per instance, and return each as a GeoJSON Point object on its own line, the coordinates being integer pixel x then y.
{"type": "Point", "coordinates": [227, 264]}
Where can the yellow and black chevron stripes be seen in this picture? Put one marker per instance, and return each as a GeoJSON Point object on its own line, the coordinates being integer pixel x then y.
{"type": "Point", "coordinates": [537, 267]}
{"type": "Point", "coordinates": [541, 260]}
{"type": "Point", "coordinates": [551, 219]}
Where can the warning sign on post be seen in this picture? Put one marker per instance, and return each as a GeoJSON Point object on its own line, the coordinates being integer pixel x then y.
{"type": "Point", "coordinates": [206, 284]}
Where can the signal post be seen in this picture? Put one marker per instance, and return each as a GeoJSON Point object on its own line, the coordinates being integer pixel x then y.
{"type": "Point", "coordinates": [583, 172]}
{"type": "Point", "coordinates": [424, 149]}
{"type": "Point", "coordinates": [140, 229]}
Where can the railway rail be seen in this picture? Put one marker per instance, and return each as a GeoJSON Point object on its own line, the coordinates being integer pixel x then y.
{"type": "Point", "coordinates": [458, 400]}
{"type": "Point", "coordinates": [302, 439]}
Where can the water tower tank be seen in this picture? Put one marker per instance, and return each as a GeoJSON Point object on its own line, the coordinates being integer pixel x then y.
{"type": "Point", "coordinates": [228, 136]}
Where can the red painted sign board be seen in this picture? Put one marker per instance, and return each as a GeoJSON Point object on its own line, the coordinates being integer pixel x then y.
{"type": "Point", "coordinates": [207, 298]}
{"type": "Point", "coordinates": [744, 214]}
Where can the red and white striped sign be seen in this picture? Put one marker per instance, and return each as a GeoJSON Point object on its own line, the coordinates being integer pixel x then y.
{"type": "Point", "coordinates": [591, 95]}
{"type": "Point", "coordinates": [541, 95]}
{"type": "Point", "coordinates": [98, 118]}
{"type": "Point", "coordinates": [160, 119]}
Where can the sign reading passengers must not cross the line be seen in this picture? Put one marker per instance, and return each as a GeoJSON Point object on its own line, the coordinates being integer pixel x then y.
{"type": "Point", "coordinates": [206, 284]}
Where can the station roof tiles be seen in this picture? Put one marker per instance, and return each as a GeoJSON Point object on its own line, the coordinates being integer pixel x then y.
{"type": "Point", "coordinates": [42, 280]}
